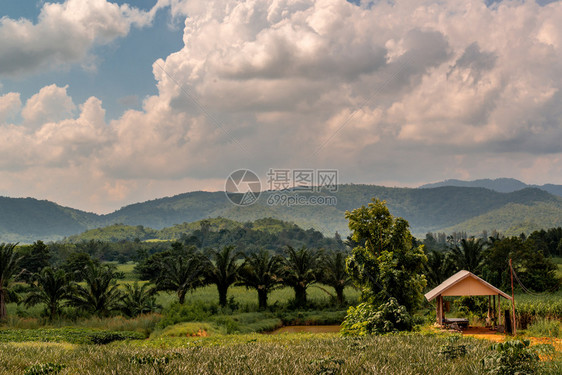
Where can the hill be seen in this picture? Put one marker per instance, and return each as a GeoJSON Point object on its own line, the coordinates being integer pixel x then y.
{"type": "Point", "coordinates": [502, 185]}
{"type": "Point", "coordinates": [470, 209]}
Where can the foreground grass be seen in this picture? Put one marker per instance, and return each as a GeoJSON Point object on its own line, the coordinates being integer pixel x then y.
{"type": "Point", "coordinates": [254, 354]}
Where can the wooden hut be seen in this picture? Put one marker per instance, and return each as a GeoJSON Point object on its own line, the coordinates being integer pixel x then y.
{"type": "Point", "coordinates": [465, 283]}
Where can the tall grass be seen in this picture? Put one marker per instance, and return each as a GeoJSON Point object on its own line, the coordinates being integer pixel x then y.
{"type": "Point", "coordinates": [258, 354]}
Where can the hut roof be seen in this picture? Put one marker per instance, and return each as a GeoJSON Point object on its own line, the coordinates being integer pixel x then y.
{"type": "Point", "coordinates": [464, 283]}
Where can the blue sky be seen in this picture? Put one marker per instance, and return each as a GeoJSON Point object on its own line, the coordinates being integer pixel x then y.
{"type": "Point", "coordinates": [107, 103]}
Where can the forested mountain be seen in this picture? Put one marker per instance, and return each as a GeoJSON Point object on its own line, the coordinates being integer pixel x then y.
{"type": "Point", "coordinates": [438, 209]}
{"type": "Point", "coordinates": [502, 185]}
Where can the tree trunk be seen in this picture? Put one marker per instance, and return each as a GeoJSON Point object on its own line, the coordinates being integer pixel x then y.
{"type": "Point", "coordinates": [339, 295]}
{"type": "Point", "coordinates": [300, 296]}
{"type": "Point", "coordinates": [3, 312]}
{"type": "Point", "coordinates": [222, 295]}
{"type": "Point", "coordinates": [262, 299]}
{"type": "Point", "coordinates": [181, 296]}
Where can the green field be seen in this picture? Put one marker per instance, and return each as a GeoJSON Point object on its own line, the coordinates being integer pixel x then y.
{"type": "Point", "coordinates": [255, 354]}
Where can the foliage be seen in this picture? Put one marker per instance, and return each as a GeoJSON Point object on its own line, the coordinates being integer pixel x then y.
{"type": "Point", "coordinates": [299, 271]}
{"type": "Point", "coordinates": [100, 294]}
{"type": "Point", "coordinates": [33, 259]}
{"type": "Point", "coordinates": [453, 349]}
{"type": "Point", "coordinates": [545, 327]}
{"type": "Point", "coordinates": [439, 267]}
{"type": "Point", "coordinates": [260, 271]}
{"type": "Point", "coordinates": [333, 272]}
{"type": "Point", "coordinates": [385, 264]}
{"type": "Point", "coordinates": [468, 254]}
{"type": "Point", "coordinates": [8, 267]}
{"type": "Point", "coordinates": [366, 319]}
{"type": "Point", "coordinates": [138, 299]}
{"type": "Point", "coordinates": [182, 273]}
{"type": "Point", "coordinates": [75, 264]}
{"type": "Point", "coordinates": [49, 287]}
{"type": "Point", "coordinates": [222, 271]}
{"type": "Point", "coordinates": [70, 335]}
{"type": "Point", "coordinates": [512, 357]}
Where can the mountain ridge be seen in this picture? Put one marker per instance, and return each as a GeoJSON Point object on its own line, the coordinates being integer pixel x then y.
{"type": "Point", "coordinates": [427, 210]}
{"type": "Point", "coordinates": [502, 185]}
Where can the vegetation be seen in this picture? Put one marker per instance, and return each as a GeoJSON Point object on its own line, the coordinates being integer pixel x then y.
{"type": "Point", "coordinates": [223, 271]}
{"type": "Point", "coordinates": [385, 264]}
{"type": "Point", "coordinates": [436, 209]}
{"type": "Point", "coordinates": [260, 272]}
{"type": "Point", "coordinates": [49, 287]}
{"type": "Point", "coordinates": [8, 268]}
{"type": "Point", "coordinates": [299, 271]}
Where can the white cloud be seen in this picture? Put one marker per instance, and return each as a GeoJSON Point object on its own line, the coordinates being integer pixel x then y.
{"type": "Point", "coordinates": [65, 33]}
{"type": "Point", "coordinates": [409, 91]}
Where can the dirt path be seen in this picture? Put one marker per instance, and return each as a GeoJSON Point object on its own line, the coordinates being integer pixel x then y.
{"type": "Point", "coordinates": [486, 334]}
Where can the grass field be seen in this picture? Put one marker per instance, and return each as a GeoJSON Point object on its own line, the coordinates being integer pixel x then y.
{"type": "Point", "coordinates": [255, 354]}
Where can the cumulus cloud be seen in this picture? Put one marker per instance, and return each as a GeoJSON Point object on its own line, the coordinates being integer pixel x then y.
{"type": "Point", "coordinates": [407, 91]}
{"type": "Point", "coordinates": [65, 33]}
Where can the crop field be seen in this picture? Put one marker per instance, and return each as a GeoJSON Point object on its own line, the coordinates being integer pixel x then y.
{"type": "Point", "coordinates": [254, 354]}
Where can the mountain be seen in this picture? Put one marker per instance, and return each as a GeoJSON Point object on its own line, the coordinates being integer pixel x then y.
{"type": "Point", "coordinates": [447, 208]}
{"type": "Point", "coordinates": [502, 185]}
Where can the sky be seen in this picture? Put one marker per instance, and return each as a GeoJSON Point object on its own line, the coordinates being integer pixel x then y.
{"type": "Point", "coordinates": [103, 103]}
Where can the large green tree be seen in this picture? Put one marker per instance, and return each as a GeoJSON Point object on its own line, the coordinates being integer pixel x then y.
{"type": "Point", "coordinates": [385, 263]}
{"type": "Point", "coordinates": [49, 287]}
{"type": "Point", "coordinates": [260, 271]}
{"type": "Point", "coordinates": [8, 268]}
{"type": "Point", "coordinates": [222, 270]}
{"type": "Point", "coordinates": [299, 271]}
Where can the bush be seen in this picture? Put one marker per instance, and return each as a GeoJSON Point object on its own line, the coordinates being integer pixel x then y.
{"type": "Point", "coordinates": [545, 327]}
{"type": "Point", "coordinates": [511, 358]}
{"type": "Point", "coordinates": [366, 319]}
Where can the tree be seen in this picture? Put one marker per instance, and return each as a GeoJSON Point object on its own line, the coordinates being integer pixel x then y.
{"type": "Point", "coordinates": [35, 257]}
{"type": "Point", "coordinates": [137, 300]}
{"type": "Point", "coordinates": [333, 272]}
{"type": "Point", "coordinates": [469, 255]}
{"type": "Point", "coordinates": [223, 272]}
{"type": "Point", "coordinates": [439, 267]}
{"type": "Point", "coordinates": [49, 287]}
{"type": "Point", "coordinates": [182, 273]}
{"type": "Point", "coordinates": [100, 294]}
{"type": "Point", "coordinates": [260, 271]}
{"type": "Point", "coordinates": [8, 267]}
{"type": "Point", "coordinates": [299, 272]}
{"type": "Point", "coordinates": [385, 263]}
{"type": "Point", "coordinates": [75, 264]}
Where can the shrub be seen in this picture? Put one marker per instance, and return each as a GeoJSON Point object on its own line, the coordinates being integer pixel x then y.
{"type": "Point", "coordinates": [511, 358]}
{"type": "Point", "coordinates": [366, 319]}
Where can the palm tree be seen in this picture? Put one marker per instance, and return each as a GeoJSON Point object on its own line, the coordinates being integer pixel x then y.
{"type": "Point", "coordinates": [333, 272]}
{"type": "Point", "coordinates": [439, 267]}
{"type": "Point", "coordinates": [100, 295]}
{"type": "Point", "coordinates": [138, 299]}
{"type": "Point", "coordinates": [223, 272]}
{"type": "Point", "coordinates": [299, 272]}
{"type": "Point", "coordinates": [49, 287]}
{"type": "Point", "coordinates": [8, 267]}
{"type": "Point", "coordinates": [260, 272]}
{"type": "Point", "coordinates": [469, 255]}
{"type": "Point", "coordinates": [182, 273]}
